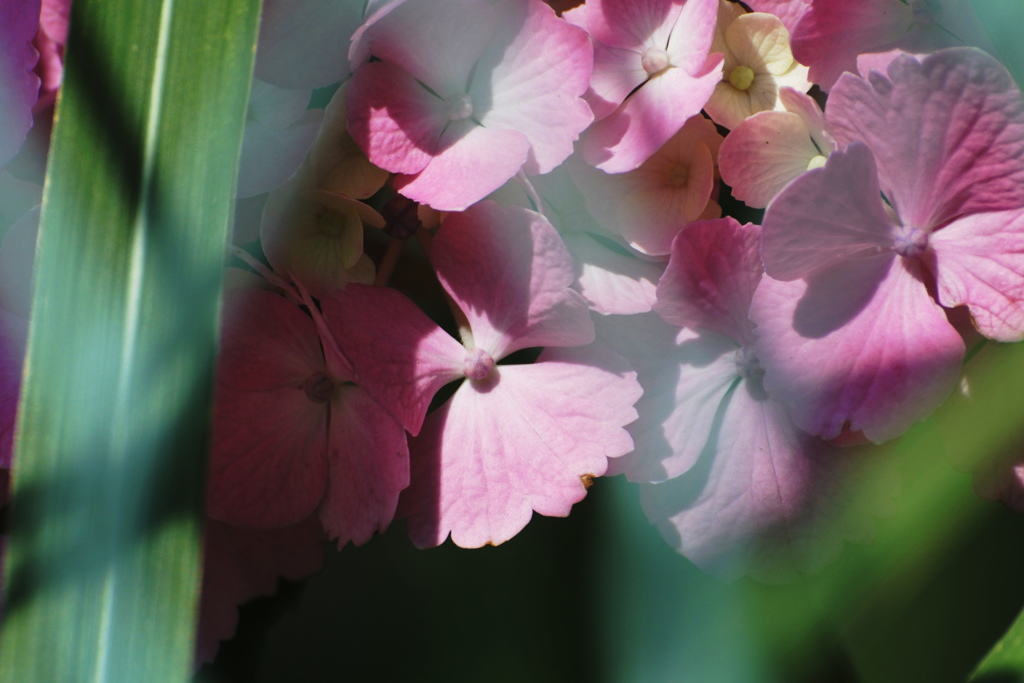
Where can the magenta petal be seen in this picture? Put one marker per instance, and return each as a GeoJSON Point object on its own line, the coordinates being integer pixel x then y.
{"type": "Point", "coordinates": [268, 466]}
{"type": "Point", "coordinates": [369, 463]}
{"type": "Point", "coordinates": [859, 346]}
{"type": "Point", "coordinates": [746, 504]}
{"type": "Point", "coordinates": [400, 356]}
{"type": "Point", "coordinates": [711, 277]}
{"type": "Point", "coordinates": [826, 215]}
{"type": "Point", "coordinates": [979, 261]}
{"type": "Point", "coordinates": [947, 132]}
{"type": "Point", "coordinates": [510, 273]}
{"type": "Point", "coordinates": [831, 34]}
{"type": "Point", "coordinates": [18, 85]}
{"type": "Point", "coordinates": [472, 161]}
{"type": "Point", "coordinates": [519, 441]}
{"type": "Point", "coordinates": [394, 119]}
{"type": "Point", "coordinates": [652, 115]}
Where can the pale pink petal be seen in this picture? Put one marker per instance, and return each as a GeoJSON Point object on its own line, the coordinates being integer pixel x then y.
{"type": "Point", "coordinates": [509, 272]}
{"type": "Point", "coordinates": [394, 119]}
{"type": "Point", "coordinates": [765, 153]}
{"type": "Point", "coordinates": [617, 72]}
{"type": "Point", "coordinates": [369, 466]}
{"type": "Point", "coordinates": [471, 162]}
{"type": "Point", "coordinates": [652, 115]}
{"type": "Point", "coordinates": [519, 441]}
{"type": "Point", "coordinates": [830, 35]}
{"type": "Point", "coordinates": [979, 261]}
{"type": "Point", "coordinates": [947, 132]}
{"type": "Point", "coordinates": [19, 87]}
{"type": "Point", "coordinates": [711, 277]}
{"type": "Point", "coordinates": [240, 564]}
{"type": "Point", "coordinates": [610, 281]}
{"type": "Point", "coordinates": [826, 215]}
{"type": "Point", "coordinates": [628, 23]}
{"type": "Point", "coordinates": [400, 356]}
{"type": "Point", "coordinates": [691, 36]}
{"type": "Point", "coordinates": [858, 346]}
{"type": "Point", "coordinates": [437, 42]}
{"type": "Point", "coordinates": [535, 84]}
{"type": "Point", "coordinates": [684, 376]}
{"type": "Point", "coordinates": [272, 154]}
{"type": "Point", "coordinates": [748, 504]}
{"type": "Point", "coordinates": [304, 43]}
{"type": "Point", "coordinates": [804, 106]}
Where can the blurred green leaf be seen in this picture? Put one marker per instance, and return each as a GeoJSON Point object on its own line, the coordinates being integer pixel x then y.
{"type": "Point", "coordinates": [104, 556]}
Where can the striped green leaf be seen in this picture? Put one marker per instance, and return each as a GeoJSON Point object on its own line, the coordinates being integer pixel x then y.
{"type": "Point", "coordinates": [104, 555]}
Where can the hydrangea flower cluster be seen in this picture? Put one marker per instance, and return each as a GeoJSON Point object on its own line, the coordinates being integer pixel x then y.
{"type": "Point", "coordinates": [495, 266]}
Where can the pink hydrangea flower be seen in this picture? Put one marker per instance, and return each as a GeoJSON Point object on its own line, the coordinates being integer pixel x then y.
{"type": "Point", "coordinates": [851, 334]}
{"type": "Point", "coordinates": [513, 439]}
{"type": "Point", "coordinates": [292, 435]}
{"type": "Point", "coordinates": [652, 72]}
{"type": "Point", "coordinates": [740, 488]}
{"type": "Point", "coordinates": [465, 94]}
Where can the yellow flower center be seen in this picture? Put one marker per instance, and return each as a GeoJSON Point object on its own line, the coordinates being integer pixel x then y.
{"type": "Point", "coordinates": [742, 77]}
{"type": "Point", "coordinates": [816, 162]}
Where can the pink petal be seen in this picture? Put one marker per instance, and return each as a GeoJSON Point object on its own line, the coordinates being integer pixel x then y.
{"type": "Point", "coordinates": [400, 356]}
{"type": "Point", "coordinates": [826, 215]}
{"type": "Point", "coordinates": [948, 134]}
{"type": "Point", "coordinates": [304, 43]}
{"type": "Point", "coordinates": [748, 505]}
{"type": "Point", "coordinates": [536, 83]}
{"type": "Point", "coordinates": [471, 162]}
{"type": "Point", "coordinates": [628, 23]}
{"type": "Point", "coordinates": [509, 272]}
{"type": "Point", "coordinates": [394, 119]}
{"type": "Point", "coordinates": [20, 87]}
{"type": "Point", "coordinates": [651, 116]}
{"type": "Point", "coordinates": [691, 36]}
{"type": "Point", "coordinates": [830, 35]}
{"type": "Point", "coordinates": [437, 42]}
{"type": "Point", "coordinates": [369, 466]}
{"type": "Point", "coordinates": [789, 11]}
{"type": "Point", "coordinates": [979, 261]}
{"type": "Point", "coordinates": [684, 376]}
{"type": "Point", "coordinates": [268, 465]}
{"type": "Point", "coordinates": [765, 153]}
{"type": "Point", "coordinates": [612, 282]}
{"type": "Point", "coordinates": [240, 564]}
{"type": "Point", "coordinates": [859, 346]}
{"type": "Point", "coordinates": [271, 154]}
{"type": "Point", "coordinates": [517, 442]}
{"type": "Point", "coordinates": [617, 72]}
{"type": "Point", "coordinates": [711, 277]}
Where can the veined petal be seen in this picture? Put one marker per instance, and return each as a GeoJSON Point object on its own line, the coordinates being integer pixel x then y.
{"type": "Point", "coordinates": [979, 261]}
{"type": "Point", "coordinates": [400, 356]}
{"type": "Point", "coordinates": [860, 345]}
{"type": "Point", "coordinates": [612, 282]}
{"type": "Point", "coordinates": [510, 273]}
{"type": "Point", "coordinates": [516, 442]}
{"type": "Point", "coordinates": [947, 132]}
{"type": "Point", "coordinates": [826, 215]}
{"type": "Point", "coordinates": [369, 465]}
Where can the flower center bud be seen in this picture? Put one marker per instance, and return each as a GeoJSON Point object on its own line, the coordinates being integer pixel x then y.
{"type": "Point", "coordinates": [816, 161]}
{"type": "Point", "coordinates": [459, 107]}
{"type": "Point", "coordinates": [747, 365]}
{"type": "Point", "coordinates": [678, 174]}
{"type": "Point", "coordinates": [318, 387]}
{"type": "Point", "coordinates": [478, 364]}
{"type": "Point", "coordinates": [654, 60]}
{"type": "Point", "coordinates": [910, 242]}
{"type": "Point", "coordinates": [742, 77]}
